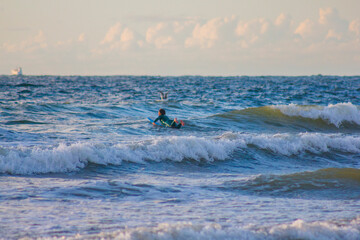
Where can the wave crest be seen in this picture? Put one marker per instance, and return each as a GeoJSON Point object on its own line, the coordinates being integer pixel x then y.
{"type": "Point", "coordinates": [293, 144]}
{"type": "Point", "coordinates": [67, 158]}
{"type": "Point", "coordinates": [73, 157]}
{"type": "Point", "coordinates": [344, 115]}
{"type": "Point", "coordinates": [298, 229]}
{"type": "Point", "coordinates": [335, 114]}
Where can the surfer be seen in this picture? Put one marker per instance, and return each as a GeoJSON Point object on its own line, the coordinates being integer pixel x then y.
{"type": "Point", "coordinates": [167, 121]}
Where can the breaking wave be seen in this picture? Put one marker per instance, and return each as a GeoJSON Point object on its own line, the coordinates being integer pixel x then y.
{"type": "Point", "coordinates": [341, 115]}
{"type": "Point", "coordinates": [293, 144]}
{"type": "Point", "coordinates": [334, 114]}
{"type": "Point", "coordinates": [67, 158]}
{"type": "Point", "coordinates": [298, 229]}
{"type": "Point", "coordinates": [76, 156]}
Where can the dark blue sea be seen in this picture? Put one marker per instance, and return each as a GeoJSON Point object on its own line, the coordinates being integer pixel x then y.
{"type": "Point", "coordinates": [266, 157]}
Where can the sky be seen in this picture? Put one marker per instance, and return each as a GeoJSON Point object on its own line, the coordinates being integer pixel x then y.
{"type": "Point", "coordinates": [168, 37]}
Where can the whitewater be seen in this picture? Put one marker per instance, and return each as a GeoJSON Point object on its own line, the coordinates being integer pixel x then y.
{"type": "Point", "coordinates": [267, 157]}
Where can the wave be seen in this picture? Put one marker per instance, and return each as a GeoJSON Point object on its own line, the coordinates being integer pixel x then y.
{"type": "Point", "coordinates": [344, 115]}
{"type": "Point", "coordinates": [334, 114]}
{"type": "Point", "coordinates": [19, 122]}
{"type": "Point", "coordinates": [28, 85]}
{"type": "Point", "coordinates": [67, 158]}
{"type": "Point", "coordinates": [293, 144]}
{"type": "Point", "coordinates": [76, 156]}
{"type": "Point", "coordinates": [99, 189]}
{"type": "Point", "coordinates": [298, 229]}
{"type": "Point", "coordinates": [338, 183]}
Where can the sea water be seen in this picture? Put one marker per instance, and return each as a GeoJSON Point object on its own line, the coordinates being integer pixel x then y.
{"type": "Point", "coordinates": [270, 157]}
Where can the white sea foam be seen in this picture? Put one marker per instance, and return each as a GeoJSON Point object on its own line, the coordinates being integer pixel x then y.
{"type": "Point", "coordinates": [299, 229]}
{"type": "Point", "coordinates": [335, 114]}
{"type": "Point", "coordinates": [292, 144]}
{"type": "Point", "coordinates": [67, 158]}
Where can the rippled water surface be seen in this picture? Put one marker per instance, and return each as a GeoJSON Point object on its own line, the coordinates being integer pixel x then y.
{"type": "Point", "coordinates": [270, 157]}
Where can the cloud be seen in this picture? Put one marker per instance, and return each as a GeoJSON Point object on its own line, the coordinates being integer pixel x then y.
{"type": "Point", "coordinates": [305, 28]}
{"type": "Point", "coordinates": [330, 26]}
{"type": "Point", "coordinates": [75, 41]}
{"type": "Point", "coordinates": [251, 31]}
{"type": "Point", "coordinates": [169, 35]}
{"type": "Point", "coordinates": [281, 20]}
{"type": "Point", "coordinates": [112, 33]}
{"type": "Point", "coordinates": [117, 38]}
{"type": "Point", "coordinates": [264, 32]}
{"type": "Point", "coordinates": [331, 18]}
{"type": "Point", "coordinates": [332, 34]}
{"type": "Point", "coordinates": [208, 34]}
{"type": "Point", "coordinates": [29, 45]}
{"type": "Point", "coordinates": [81, 37]}
{"type": "Point", "coordinates": [160, 35]}
{"type": "Point", "coordinates": [125, 41]}
{"type": "Point", "coordinates": [335, 26]}
{"type": "Point", "coordinates": [354, 27]}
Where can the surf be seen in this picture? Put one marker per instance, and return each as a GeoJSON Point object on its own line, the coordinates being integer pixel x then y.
{"type": "Point", "coordinates": [339, 117]}
{"type": "Point", "coordinates": [297, 229]}
{"type": "Point", "coordinates": [41, 158]}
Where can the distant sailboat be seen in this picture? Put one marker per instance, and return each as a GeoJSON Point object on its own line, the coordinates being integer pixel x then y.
{"type": "Point", "coordinates": [17, 71]}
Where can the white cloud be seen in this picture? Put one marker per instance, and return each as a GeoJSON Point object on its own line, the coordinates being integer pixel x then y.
{"type": "Point", "coordinates": [127, 35]}
{"type": "Point", "coordinates": [331, 18]}
{"type": "Point", "coordinates": [112, 33]}
{"type": "Point", "coordinates": [330, 26]}
{"type": "Point", "coordinates": [81, 37]}
{"type": "Point", "coordinates": [281, 19]}
{"type": "Point", "coordinates": [75, 41]}
{"type": "Point", "coordinates": [305, 28]}
{"type": "Point", "coordinates": [117, 38]}
{"type": "Point", "coordinates": [61, 43]}
{"type": "Point", "coordinates": [169, 35]}
{"type": "Point", "coordinates": [161, 35]}
{"type": "Point", "coordinates": [335, 26]}
{"type": "Point", "coordinates": [263, 32]}
{"type": "Point", "coordinates": [252, 28]}
{"type": "Point", "coordinates": [153, 31]}
{"type": "Point", "coordinates": [283, 23]}
{"type": "Point", "coordinates": [354, 27]}
{"type": "Point", "coordinates": [325, 14]}
{"type": "Point", "coordinates": [332, 35]}
{"type": "Point", "coordinates": [29, 45]}
{"type": "Point", "coordinates": [206, 35]}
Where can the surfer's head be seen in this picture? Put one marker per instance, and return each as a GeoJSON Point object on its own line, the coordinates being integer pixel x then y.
{"type": "Point", "coordinates": [161, 111]}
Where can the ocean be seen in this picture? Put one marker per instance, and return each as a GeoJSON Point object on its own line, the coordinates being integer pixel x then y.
{"type": "Point", "coordinates": [259, 157]}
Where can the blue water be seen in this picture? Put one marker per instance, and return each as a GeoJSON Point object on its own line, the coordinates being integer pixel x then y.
{"type": "Point", "coordinates": [270, 157]}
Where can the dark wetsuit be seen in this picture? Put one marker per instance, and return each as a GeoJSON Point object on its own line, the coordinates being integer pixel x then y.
{"type": "Point", "coordinates": [167, 122]}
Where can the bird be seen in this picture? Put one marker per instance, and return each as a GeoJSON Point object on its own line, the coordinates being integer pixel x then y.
{"type": "Point", "coordinates": [163, 96]}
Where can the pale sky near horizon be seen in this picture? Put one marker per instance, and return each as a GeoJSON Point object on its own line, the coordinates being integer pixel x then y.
{"type": "Point", "coordinates": [165, 37]}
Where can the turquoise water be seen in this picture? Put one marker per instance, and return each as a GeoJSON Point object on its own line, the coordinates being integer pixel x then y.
{"type": "Point", "coordinates": [270, 157]}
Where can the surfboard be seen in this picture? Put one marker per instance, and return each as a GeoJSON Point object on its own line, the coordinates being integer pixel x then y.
{"type": "Point", "coordinates": [159, 124]}
{"type": "Point", "coordinates": [152, 121]}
